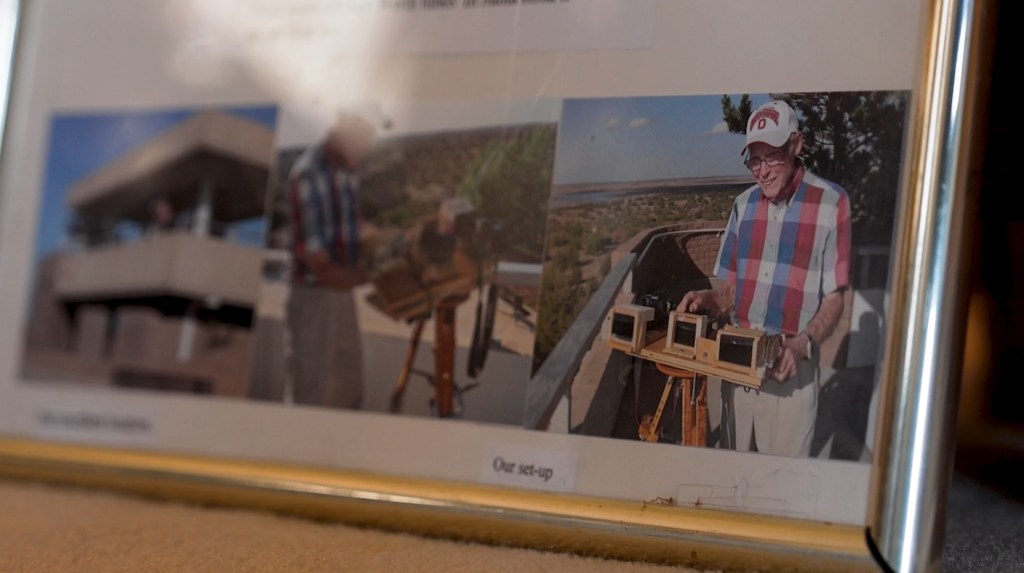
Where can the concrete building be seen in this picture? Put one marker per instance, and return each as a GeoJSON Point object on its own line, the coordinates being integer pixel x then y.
{"type": "Point", "coordinates": [157, 290]}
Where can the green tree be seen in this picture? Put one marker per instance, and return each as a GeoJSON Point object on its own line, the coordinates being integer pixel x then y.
{"type": "Point", "coordinates": [736, 116]}
{"type": "Point", "coordinates": [509, 183]}
{"type": "Point", "coordinates": [854, 139]}
{"type": "Point", "coordinates": [562, 298]}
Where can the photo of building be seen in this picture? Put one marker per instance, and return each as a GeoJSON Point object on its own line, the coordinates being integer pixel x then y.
{"type": "Point", "coordinates": [150, 250]}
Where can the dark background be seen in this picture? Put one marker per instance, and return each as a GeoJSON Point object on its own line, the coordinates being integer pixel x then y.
{"type": "Point", "coordinates": [985, 515]}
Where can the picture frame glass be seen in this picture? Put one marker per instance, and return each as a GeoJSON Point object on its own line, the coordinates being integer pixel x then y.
{"type": "Point", "coordinates": [453, 240]}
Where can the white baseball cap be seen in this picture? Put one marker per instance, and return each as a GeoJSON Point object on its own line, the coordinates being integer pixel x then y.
{"type": "Point", "coordinates": [772, 123]}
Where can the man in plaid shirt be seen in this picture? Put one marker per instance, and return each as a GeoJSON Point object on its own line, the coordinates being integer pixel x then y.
{"type": "Point", "coordinates": [785, 264]}
{"type": "Point", "coordinates": [323, 347]}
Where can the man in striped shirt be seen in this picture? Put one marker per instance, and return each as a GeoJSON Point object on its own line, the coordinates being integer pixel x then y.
{"type": "Point", "coordinates": [784, 261]}
{"type": "Point", "coordinates": [323, 347]}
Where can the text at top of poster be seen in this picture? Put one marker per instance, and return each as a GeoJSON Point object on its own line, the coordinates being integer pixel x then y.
{"type": "Point", "coordinates": [418, 27]}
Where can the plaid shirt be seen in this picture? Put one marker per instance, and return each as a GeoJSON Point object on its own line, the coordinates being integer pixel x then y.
{"type": "Point", "coordinates": [784, 257]}
{"type": "Point", "coordinates": [323, 210]}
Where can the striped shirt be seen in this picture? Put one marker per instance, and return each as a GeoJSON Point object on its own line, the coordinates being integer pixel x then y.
{"type": "Point", "coordinates": [784, 257]}
{"type": "Point", "coordinates": [323, 210]}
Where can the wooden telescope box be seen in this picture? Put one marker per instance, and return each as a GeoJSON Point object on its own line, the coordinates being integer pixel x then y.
{"type": "Point", "coordinates": [739, 355]}
{"type": "Point", "coordinates": [626, 327]}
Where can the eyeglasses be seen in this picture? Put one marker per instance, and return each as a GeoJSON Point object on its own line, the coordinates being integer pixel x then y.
{"type": "Point", "coordinates": [771, 159]}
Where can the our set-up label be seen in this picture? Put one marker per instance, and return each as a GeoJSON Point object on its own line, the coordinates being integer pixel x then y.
{"type": "Point", "coordinates": [534, 468]}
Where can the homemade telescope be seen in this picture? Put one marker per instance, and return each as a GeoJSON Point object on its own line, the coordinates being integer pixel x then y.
{"type": "Point", "coordinates": [442, 261]}
{"type": "Point", "coordinates": [690, 342]}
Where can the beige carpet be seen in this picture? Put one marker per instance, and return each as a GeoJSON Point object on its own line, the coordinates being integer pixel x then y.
{"type": "Point", "coordinates": [55, 529]}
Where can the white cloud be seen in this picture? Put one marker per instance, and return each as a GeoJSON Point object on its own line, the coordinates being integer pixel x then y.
{"type": "Point", "coordinates": [719, 129]}
{"type": "Point", "coordinates": [639, 122]}
{"type": "Point", "coordinates": [614, 121]}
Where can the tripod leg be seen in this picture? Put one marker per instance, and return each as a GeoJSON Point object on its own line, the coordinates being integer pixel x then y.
{"type": "Point", "coordinates": [701, 432]}
{"type": "Point", "coordinates": [695, 411]}
{"type": "Point", "coordinates": [410, 357]}
{"type": "Point", "coordinates": [444, 356]}
{"type": "Point", "coordinates": [649, 426]}
{"type": "Point", "coordinates": [689, 417]}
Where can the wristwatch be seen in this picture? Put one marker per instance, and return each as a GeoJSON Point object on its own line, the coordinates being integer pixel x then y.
{"type": "Point", "coordinates": [810, 345]}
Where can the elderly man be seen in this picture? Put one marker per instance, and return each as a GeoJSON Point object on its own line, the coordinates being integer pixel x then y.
{"type": "Point", "coordinates": [785, 264]}
{"type": "Point", "coordinates": [324, 353]}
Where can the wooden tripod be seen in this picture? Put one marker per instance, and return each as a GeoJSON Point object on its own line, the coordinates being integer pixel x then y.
{"type": "Point", "coordinates": [693, 409]}
{"type": "Point", "coordinates": [444, 357]}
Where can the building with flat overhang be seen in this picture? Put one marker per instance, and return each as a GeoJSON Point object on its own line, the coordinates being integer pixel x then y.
{"type": "Point", "coordinates": [158, 287]}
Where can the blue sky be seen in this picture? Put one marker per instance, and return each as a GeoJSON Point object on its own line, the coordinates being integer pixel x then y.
{"type": "Point", "coordinates": [81, 143]}
{"type": "Point", "coordinates": [645, 138]}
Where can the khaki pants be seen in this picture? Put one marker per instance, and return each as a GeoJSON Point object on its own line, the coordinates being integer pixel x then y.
{"type": "Point", "coordinates": [780, 416]}
{"type": "Point", "coordinates": [324, 354]}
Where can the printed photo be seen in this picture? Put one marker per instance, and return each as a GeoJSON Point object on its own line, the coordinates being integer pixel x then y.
{"type": "Point", "coordinates": [407, 264]}
{"type": "Point", "coordinates": [149, 250]}
{"type": "Point", "coordinates": [720, 264]}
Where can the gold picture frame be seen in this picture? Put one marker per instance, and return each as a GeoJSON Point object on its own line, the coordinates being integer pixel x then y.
{"type": "Point", "coordinates": [913, 441]}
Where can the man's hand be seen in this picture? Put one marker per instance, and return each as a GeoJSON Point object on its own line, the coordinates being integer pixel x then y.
{"type": "Point", "coordinates": [820, 327]}
{"type": "Point", "coordinates": [695, 301]}
{"type": "Point", "coordinates": [716, 301]}
{"type": "Point", "coordinates": [793, 351]}
{"type": "Point", "coordinates": [332, 275]}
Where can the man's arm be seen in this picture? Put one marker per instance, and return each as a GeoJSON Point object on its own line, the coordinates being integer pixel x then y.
{"type": "Point", "coordinates": [826, 319]}
{"type": "Point", "coordinates": [818, 329]}
{"type": "Point", "coordinates": [835, 280]}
